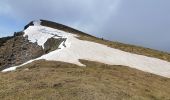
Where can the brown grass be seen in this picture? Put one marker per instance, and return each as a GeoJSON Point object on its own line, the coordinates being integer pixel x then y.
{"type": "Point", "coordinates": [49, 80]}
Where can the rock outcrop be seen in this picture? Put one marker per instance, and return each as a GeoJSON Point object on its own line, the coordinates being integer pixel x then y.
{"type": "Point", "coordinates": [52, 44]}
{"type": "Point", "coordinates": [17, 50]}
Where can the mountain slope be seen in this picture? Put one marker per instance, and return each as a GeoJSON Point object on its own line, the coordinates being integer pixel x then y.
{"type": "Point", "coordinates": [113, 70]}
{"type": "Point", "coordinates": [63, 81]}
{"type": "Point", "coordinates": [72, 49]}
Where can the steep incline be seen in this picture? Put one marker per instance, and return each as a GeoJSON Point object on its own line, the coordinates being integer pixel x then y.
{"type": "Point", "coordinates": [71, 49]}
{"type": "Point", "coordinates": [17, 49]}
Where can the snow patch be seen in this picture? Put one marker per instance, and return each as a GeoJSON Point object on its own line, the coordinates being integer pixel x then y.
{"type": "Point", "coordinates": [79, 49]}
{"type": "Point", "coordinates": [40, 34]}
{"type": "Point", "coordinates": [15, 67]}
{"type": "Point", "coordinates": [37, 23]}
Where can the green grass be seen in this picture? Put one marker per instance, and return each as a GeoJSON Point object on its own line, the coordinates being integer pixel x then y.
{"type": "Point", "coordinates": [62, 81]}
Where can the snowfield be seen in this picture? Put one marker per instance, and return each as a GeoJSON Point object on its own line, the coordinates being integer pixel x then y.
{"type": "Point", "coordinates": [79, 49]}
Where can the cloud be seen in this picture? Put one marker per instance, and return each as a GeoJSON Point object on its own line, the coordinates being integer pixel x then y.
{"type": "Point", "coordinates": [139, 22]}
{"type": "Point", "coordinates": [83, 15]}
{"type": "Point", "coordinates": [4, 8]}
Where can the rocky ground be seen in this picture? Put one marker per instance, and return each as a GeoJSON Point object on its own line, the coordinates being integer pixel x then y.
{"type": "Point", "coordinates": [17, 49]}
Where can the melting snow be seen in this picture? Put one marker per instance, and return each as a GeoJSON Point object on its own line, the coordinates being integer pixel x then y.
{"type": "Point", "coordinates": [37, 23]}
{"type": "Point", "coordinates": [78, 49]}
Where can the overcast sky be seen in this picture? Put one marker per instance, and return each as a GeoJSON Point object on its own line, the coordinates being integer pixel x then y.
{"type": "Point", "coordinates": [141, 22]}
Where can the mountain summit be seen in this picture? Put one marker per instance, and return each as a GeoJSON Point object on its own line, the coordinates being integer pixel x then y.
{"type": "Point", "coordinates": [45, 44]}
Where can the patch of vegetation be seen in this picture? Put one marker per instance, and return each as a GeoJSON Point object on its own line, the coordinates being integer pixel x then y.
{"type": "Point", "coordinates": [44, 80]}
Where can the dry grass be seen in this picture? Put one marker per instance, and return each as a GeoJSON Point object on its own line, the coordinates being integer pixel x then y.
{"type": "Point", "coordinates": [49, 80]}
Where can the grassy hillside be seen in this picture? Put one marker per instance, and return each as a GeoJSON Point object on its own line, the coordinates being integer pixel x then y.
{"type": "Point", "coordinates": [52, 80]}
{"type": "Point", "coordinates": [49, 80]}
